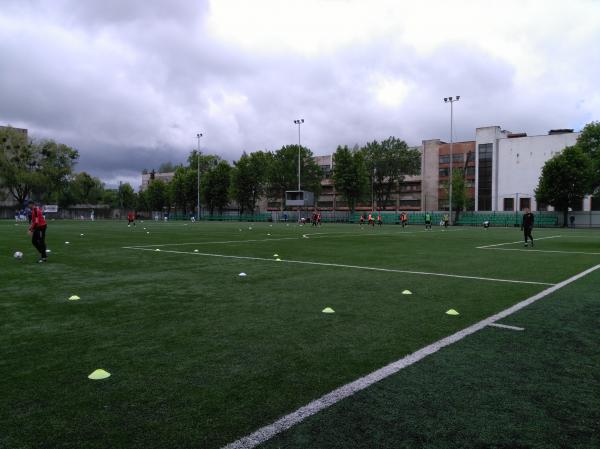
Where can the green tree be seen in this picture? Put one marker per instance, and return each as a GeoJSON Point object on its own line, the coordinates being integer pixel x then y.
{"type": "Point", "coordinates": [28, 168]}
{"type": "Point", "coordinates": [565, 180]}
{"type": "Point", "coordinates": [215, 185]}
{"type": "Point", "coordinates": [248, 180]}
{"type": "Point", "coordinates": [156, 195]}
{"type": "Point", "coordinates": [350, 175]}
{"type": "Point", "coordinates": [282, 172]}
{"type": "Point", "coordinates": [388, 162]}
{"type": "Point", "coordinates": [167, 167]}
{"type": "Point", "coordinates": [589, 142]}
{"type": "Point", "coordinates": [183, 188]}
{"type": "Point", "coordinates": [126, 196]}
{"type": "Point", "coordinates": [86, 189]}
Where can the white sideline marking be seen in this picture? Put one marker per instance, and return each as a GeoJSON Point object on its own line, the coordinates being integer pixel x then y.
{"type": "Point", "coordinates": [339, 265]}
{"type": "Point", "coordinates": [506, 326]}
{"type": "Point", "coordinates": [542, 251]}
{"type": "Point", "coordinates": [512, 243]}
{"type": "Point", "coordinates": [267, 432]}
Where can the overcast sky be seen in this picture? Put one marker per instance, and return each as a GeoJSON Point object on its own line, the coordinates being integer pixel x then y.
{"type": "Point", "coordinates": [129, 83]}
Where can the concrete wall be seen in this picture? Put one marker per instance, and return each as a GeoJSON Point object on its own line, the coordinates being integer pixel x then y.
{"type": "Point", "coordinates": [430, 174]}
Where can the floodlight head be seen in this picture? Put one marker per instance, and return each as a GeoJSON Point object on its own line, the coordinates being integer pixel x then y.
{"type": "Point", "coordinates": [458, 97]}
{"type": "Point", "coordinates": [445, 100]}
{"type": "Point", "coordinates": [199, 135]}
{"type": "Point", "coordinates": [298, 121]}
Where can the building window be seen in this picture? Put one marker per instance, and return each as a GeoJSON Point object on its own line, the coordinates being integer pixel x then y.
{"type": "Point", "coordinates": [524, 203]}
{"type": "Point", "coordinates": [458, 157]}
{"type": "Point", "coordinates": [444, 159]}
{"type": "Point", "coordinates": [485, 177]}
{"type": "Point", "coordinates": [444, 172]}
{"type": "Point", "coordinates": [470, 171]}
{"type": "Point", "coordinates": [509, 204]}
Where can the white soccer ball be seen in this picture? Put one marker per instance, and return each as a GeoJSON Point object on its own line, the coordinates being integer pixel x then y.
{"type": "Point", "coordinates": [18, 255]}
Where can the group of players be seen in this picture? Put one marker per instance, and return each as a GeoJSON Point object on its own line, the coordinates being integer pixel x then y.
{"type": "Point", "coordinates": [38, 226]}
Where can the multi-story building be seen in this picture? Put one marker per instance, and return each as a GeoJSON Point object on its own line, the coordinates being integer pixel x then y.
{"type": "Point", "coordinates": [151, 176]}
{"type": "Point", "coordinates": [508, 167]}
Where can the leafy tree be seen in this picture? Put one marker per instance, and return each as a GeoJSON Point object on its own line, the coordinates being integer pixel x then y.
{"type": "Point", "coordinates": [183, 188]}
{"type": "Point", "coordinates": [86, 189]}
{"type": "Point", "coordinates": [28, 168]}
{"type": "Point", "coordinates": [126, 196]}
{"type": "Point", "coordinates": [350, 175]}
{"type": "Point", "coordinates": [565, 180]}
{"type": "Point", "coordinates": [282, 172]}
{"type": "Point", "coordinates": [589, 142]}
{"type": "Point", "coordinates": [215, 186]}
{"type": "Point", "coordinates": [248, 179]}
{"type": "Point", "coordinates": [167, 167]}
{"type": "Point", "coordinates": [388, 162]}
{"type": "Point", "coordinates": [111, 197]}
{"type": "Point", "coordinates": [156, 195]}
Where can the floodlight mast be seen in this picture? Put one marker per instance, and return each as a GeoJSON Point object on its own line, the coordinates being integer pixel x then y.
{"type": "Point", "coordinates": [451, 100]}
{"type": "Point", "coordinates": [198, 136]}
{"type": "Point", "coordinates": [299, 122]}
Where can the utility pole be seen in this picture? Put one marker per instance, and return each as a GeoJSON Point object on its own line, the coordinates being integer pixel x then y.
{"type": "Point", "coordinates": [451, 100]}
{"type": "Point", "coordinates": [199, 135]}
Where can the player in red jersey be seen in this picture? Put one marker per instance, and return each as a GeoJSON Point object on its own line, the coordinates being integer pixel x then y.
{"type": "Point", "coordinates": [130, 218]}
{"type": "Point", "coordinates": [37, 230]}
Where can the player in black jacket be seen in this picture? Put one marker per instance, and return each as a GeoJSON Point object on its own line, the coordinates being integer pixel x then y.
{"type": "Point", "coordinates": [527, 225]}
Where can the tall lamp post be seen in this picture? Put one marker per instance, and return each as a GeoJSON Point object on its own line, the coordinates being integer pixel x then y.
{"type": "Point", "coordinates": [199, 135]}
{"type": "Point", "coordinates": [451, 100]}
{"type": "Point", "coordinates": [299, 122]}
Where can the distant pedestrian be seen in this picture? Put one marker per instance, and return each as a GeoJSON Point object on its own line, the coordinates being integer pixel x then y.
{"type": "Point", "coordinates": [572, 220]}
{"type": "Point", "coordinates": [37, 230]}
{"type": "Point", "coordinates": [130, 218]}
{"type": "Point", "coordinates": [527, 226]}
{"type": "Point", "coordinates": [371, 221]}
{"type": "Point", "coordinates": [379, 220]}
{"type": "Point", "coordinates": [427, 220]}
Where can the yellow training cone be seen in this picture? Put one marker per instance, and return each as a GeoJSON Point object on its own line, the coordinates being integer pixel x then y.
{"type": "Point", "coordinates": [278, 259]}
{"type": "Point", "coordinates": [195, 250]}
{"type": "Point", "coordinates": [275, 255]}
{"type": "Point", "coordinates": [452, 312]}
{"type": "Point", "coordinates": [99, 374]}
{"type": "Point", "coordinates": [407, 292]}
{"type": "Point", "coordinates": [74, 298]}
{"type": "Point", "coordinates": [328, 310]}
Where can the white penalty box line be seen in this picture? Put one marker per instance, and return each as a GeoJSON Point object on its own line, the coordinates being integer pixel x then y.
{"type": "Point", "coordinates": [286, 422]}
{"type": "Point", "coordinates": [513, 243]}
{"type": "Point", "coordinates": [531, 250]}
{"type": "Point", "coordinates": [338, 265]}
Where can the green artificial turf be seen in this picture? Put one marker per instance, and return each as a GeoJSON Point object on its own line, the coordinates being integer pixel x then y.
{"type": "Point", "coordinates": [200, 356]}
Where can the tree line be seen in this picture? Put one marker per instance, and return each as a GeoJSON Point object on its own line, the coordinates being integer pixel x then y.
{"type": "Point", "coordinates": [45, 171]}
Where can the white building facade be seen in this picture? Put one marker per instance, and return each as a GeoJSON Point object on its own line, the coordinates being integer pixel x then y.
{"type": "Point", "coordinates": [508, 167]}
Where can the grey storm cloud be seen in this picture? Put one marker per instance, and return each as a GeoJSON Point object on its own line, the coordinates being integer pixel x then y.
{"type": "Point", "coordinates": [130, 83]}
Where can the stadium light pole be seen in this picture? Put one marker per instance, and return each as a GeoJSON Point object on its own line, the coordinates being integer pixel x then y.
{"type": "Point", "coordinates": [451, 100]}
{"type": "Point", "coordinates": [299, 122]}
{"type": "Point", "coordinates": [198, 136]}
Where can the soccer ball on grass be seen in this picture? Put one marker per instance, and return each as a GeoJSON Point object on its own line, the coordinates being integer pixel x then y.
{"type": "Point", "coordinates": [18, 255]}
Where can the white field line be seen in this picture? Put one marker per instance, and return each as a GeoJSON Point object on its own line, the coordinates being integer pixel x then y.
{"type": "Point", "coordinates": [338, 265]}
{"type": "Point", "coordinates": [512, 243]}
{"type": "Point", "coordinates": [542, 251]}
{"type": "Point", "coordinates": [506, 326]}
{"type": "Point", "coordinates": [267, 432]}
{"type": "Point", "coordinates": [316, 235]}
